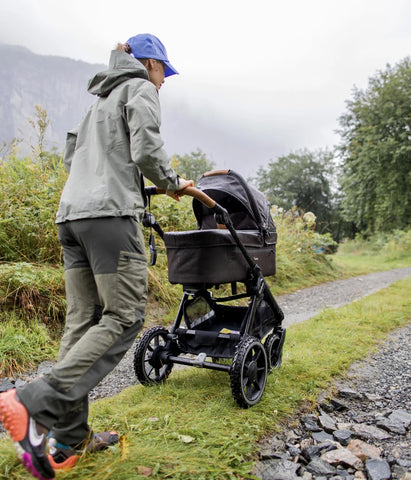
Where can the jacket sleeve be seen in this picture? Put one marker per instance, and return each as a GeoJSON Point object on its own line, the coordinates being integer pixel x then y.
{"type": "Point", "coordinates": [146, 144]}
{"type": "Point", "coordinates": [71, 141]}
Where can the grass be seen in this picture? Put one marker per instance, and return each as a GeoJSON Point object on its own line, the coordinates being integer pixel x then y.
{"type": "Point", "coordinates": [23, 344]}
{"type": "Point", "coordinates": [381, 252]}
{"type": "Point", "coordinates": [190, 427]}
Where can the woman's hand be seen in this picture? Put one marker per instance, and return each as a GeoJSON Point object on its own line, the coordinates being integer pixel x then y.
{"type": "Point", "coordinates": [180, 192]}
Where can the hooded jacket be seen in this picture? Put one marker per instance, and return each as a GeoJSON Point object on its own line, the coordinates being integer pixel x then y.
{"type": "Point", "coordinates": [117, 142]}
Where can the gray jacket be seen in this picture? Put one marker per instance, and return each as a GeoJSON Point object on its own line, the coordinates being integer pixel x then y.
{"type": "Point", "coordinates": [117, 142]}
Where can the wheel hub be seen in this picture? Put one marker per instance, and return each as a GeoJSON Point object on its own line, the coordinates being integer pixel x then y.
{"type": "Point", "coordinates": [252, 371]}
{"type": "Point", "coordinates": [156, 360]}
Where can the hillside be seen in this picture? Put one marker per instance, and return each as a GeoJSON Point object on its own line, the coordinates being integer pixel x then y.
{"type": "Point", "coordinates": [58, 84]}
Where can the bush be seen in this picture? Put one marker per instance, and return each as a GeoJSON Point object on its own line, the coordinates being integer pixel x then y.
{"type": "Point", "coordinates": [301, 251]}
{"type": "Point", "coordinates": [23, 344]}
{"type": "Point", "coordinates": [37, 291]}
{"type": "Point", "coordinates": [29, 196]}
{"type": "Point", "coordinates": [394, 245]}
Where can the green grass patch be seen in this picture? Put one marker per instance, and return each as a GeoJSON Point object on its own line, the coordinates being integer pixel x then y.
{"type": "Point", "coordinates": [24, 343]}
{"type": "Point", "coordinates": [34, 291]}
{"type": "Point", "coordinates": [384, 251]}
{"type": "Point", "coordinates": [190, 427]}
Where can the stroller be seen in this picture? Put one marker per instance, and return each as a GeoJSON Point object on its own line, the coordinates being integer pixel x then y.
{"type": "Point", "coordinates": [235, 243]}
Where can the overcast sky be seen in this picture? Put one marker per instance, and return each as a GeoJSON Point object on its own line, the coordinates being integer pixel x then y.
{"type": "Point", "coordinates": [275, 72]}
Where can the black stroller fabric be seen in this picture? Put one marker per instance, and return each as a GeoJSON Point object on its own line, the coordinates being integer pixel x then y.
{"type": "Point", "coordinates": [249, 209]}
{"type": "Point", "coordinates": [210, 255]}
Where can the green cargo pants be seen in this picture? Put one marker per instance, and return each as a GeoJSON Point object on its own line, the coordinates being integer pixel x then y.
{"type": "Point", "coordinates": [105, 270]}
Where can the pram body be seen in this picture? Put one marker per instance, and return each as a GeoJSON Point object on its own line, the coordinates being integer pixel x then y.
{"type": "Point", "coordinates": [235, 243]}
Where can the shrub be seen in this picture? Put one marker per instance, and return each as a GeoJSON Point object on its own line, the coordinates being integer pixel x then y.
{"type": "Point", "coordinates": [29, 195]}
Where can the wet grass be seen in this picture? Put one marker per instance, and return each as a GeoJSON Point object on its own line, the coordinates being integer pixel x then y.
{"type": "Point", "coordinates": [190, 427]}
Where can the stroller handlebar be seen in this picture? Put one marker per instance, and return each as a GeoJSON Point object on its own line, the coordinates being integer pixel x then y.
{"type": "Point", "coordinates": [192, 192]}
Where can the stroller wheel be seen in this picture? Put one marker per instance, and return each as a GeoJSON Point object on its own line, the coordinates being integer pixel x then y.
{"type": "Point", "coordinates": [274, 348]}
{"type": "Point", "coordinates": [148, 363]}
{"type": "Point", "coordinates": [248, 372]}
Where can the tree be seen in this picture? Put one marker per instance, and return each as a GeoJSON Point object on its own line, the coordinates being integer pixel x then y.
{"type": "Point", "coordinates": [192, 165]}
{"type": "Point", "coordinates": [301, 179]}
{"type": "Point", "coordinates": [376, 152]}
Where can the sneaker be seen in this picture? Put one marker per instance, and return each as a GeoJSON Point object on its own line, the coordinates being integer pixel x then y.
{"type": "Point", "coordinates": [29, 437]}
{"type": "Point", "coordinates": [64, 457]}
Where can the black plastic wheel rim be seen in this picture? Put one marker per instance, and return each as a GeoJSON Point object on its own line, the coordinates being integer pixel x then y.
{"type": "Point", "coordinates": [155, 369]}
{"type": "Point", "coordinates": [248, 372]}
{"type": "Point", "coordinates": [254, 373]}
{"type": "Point", "coordinates": [150, 359]}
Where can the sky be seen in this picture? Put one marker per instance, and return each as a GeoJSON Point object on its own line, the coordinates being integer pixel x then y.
{"type": "Point", "coordinates": [267, 77]}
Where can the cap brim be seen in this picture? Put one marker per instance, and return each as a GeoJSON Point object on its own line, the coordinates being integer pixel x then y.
{"type": "Point", "coordinates": [170, 70]}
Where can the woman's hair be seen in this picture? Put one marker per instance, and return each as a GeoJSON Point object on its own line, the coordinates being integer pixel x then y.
{"type": "Point", "coordinates": [125, 47]}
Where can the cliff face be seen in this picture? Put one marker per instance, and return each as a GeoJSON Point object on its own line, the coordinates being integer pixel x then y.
{"type": "Point", "coordinates": [58, 84]}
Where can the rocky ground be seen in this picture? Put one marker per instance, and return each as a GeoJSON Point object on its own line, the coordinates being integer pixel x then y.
{"type": "Point", "coordinates": [362, 426]}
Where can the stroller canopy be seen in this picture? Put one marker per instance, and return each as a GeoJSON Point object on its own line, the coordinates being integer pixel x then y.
{"type": "Point", "coordinates": [248, 208]}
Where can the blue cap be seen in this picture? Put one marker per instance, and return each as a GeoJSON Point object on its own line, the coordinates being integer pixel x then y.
{"type": "Point", "coordinates": [146, 45]}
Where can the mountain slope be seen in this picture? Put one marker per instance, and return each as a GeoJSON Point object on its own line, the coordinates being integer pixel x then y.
{"type": "Point", "coordinates": [58, 84]}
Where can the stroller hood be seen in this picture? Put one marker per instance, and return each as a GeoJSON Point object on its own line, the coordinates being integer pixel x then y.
{"type": "Point", "coordinates": [248, 208]}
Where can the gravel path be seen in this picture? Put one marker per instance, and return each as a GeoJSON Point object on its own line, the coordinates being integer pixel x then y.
{"type": "Point", "coordinates": [297, 307]}
{"type": "Point", "coordinates": [304, 304]}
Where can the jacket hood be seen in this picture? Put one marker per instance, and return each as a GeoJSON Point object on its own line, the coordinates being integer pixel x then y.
{"type": "Point", "coordinates": [122, 67]}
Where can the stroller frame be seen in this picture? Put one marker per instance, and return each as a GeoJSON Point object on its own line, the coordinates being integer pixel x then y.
{"type": "Point", "coordinates": [255, 344]}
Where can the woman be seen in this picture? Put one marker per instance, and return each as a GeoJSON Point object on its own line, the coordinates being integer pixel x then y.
{"type": "Point", "coordinates": [116, 144]}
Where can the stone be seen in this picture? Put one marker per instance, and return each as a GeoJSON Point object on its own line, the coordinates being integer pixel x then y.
{"type": "Point", "coordinates": [314, 450]}
{"type": "Point", "coordinates": [319, 467]}
{"type": "Point", "coordinates": [326, 407]}
{"type": "Point", "coordinates": [360, 475]}
{"type": "Point", "coordinates": [377, 469]}
{"type": "Point", "coordinates": [363, 451]}
{"type": "Point", "coordinates": [322, 436]}
{"type": "Point", "coordinates": [350, 394]}
{"type": "Point", "coordinates": [293, 450]}
{"type": "Point", "coordinates": [6, 385]}
{"type": "Point", "coordinates": [338, 406]}
{"type": "Point", "coordinates": [272, 449]}
{"type": "Point", "coordinates": [344, 425]}
{"type": "Point", "coordinates": [372, 397]}
{"type": "Point", "coordinates": [310, 423]}
{"type": "Point", "coordinates": [44, 367]}
{"type": "Point", "coordinates": [401, 416]}
{"type": "Point", "coordinates": [370, 432]}
{"type": "Point", "coordinates": [342, 436]}
{"type": "Point", "coordinates": [404, 463]}
{"type": "Point", "coordinates": [306, 442]}
{"type": "Point", "coordinates": [327, 423]}
{"type": "Point", "coordinates": [342, 456]}
{"type": "Point", "coordinates": [307, 476]}
{"type": "Point", "coordinates": [392, 426]}
{"type": "Point", "coordinates": [277, 470]}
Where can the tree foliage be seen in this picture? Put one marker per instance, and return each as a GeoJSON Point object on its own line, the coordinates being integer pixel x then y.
{"type": "Point", "coordinates": [192, 165]}
{"type": "Point", "coordinates": [376, 152]}
{"type": "Point", "coordinates": [301, 179]}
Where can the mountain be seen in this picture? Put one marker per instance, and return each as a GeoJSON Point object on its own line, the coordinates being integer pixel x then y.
{"type": "Point", "coordinates": [58, 84]}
